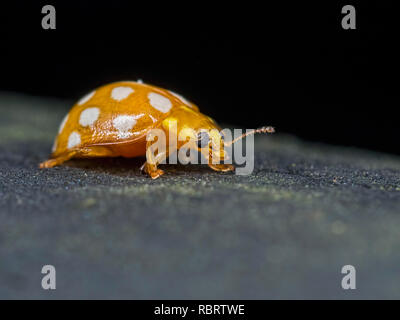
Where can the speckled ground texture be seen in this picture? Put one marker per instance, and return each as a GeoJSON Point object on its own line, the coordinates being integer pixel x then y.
{"type": "Point", "coordinates": [284, 231]}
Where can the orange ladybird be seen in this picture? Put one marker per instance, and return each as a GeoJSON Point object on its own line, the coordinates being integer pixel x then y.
{"type": "Point", "coordinates": [114, 120]}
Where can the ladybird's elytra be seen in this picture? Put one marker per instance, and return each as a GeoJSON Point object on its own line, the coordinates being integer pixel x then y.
{"type": "Point", "coordinates": [114, 120]}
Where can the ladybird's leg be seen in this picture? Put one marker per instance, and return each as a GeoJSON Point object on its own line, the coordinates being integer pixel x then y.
{"type": "Point", "coordinates": [222, 167]}
{"type": "Point", "coordinates": [90, 152]}
{"type": "Point", "coordinates": [216, 166]}
{"type": "Point", "coordinates": [151, 169]}
{"type": "Point", "coordinates": [58, 160]}
{"type": "Point", "coordinates": [150, 166]}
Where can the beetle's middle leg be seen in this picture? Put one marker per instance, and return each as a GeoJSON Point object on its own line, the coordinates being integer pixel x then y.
{"type": "Point", "coordinates": [152, 161]}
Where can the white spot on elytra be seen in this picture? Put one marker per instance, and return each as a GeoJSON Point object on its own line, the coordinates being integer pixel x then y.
{"type": "Point", "coordinates": [86, 98]}
{"type": "Point", "coordinates": [63, 122]}
{"type": "Point", "coordinates": [74, 140]}
{"type": "Point", "coordinates": [89, 116]}
{"type": "Point", "coordinates": [124, 124]}
{"type": "Point", "coordinates": [159, 102]}
{"type": "Point", "coordinates": [121, 93]}
{"type": "Point", "coordinates": [139, 81]}
{"type": "Point", "coordinates": [181, 98]}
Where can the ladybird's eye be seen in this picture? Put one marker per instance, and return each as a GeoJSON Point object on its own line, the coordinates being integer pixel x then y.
{"type": "Point", "coordinates": [202, 139]}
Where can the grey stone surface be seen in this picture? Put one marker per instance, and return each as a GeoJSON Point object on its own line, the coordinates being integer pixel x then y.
{"type": "Point", "coordinates": [283, 232]}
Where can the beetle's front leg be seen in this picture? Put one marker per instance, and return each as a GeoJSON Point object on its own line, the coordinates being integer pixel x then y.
{"type": "Point", "coordinates": [222, 167]}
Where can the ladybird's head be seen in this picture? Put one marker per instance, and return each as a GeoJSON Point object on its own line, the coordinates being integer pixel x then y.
{"type": "Point", "coordinates": [198, 131]}
{"type": "Point", "coordinates": [213, 141]}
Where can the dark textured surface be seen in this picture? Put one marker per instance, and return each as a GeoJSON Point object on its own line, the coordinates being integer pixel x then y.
{"type": "Point", "coordinates": [283, 232]}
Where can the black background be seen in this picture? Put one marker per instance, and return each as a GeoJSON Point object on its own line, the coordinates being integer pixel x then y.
{"type": "Point", "coordinates": [290, 65]}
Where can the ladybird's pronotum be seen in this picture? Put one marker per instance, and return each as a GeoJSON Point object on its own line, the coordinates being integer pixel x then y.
{"type": "Point", "coordinates": [114, 120]}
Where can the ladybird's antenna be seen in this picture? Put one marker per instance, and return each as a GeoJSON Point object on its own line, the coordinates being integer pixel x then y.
{"type": "Point", "coordinates": [259, 130]}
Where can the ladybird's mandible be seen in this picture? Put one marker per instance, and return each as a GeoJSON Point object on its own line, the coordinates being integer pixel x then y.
{"type": "Point", "coordinates": [114, 120]}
